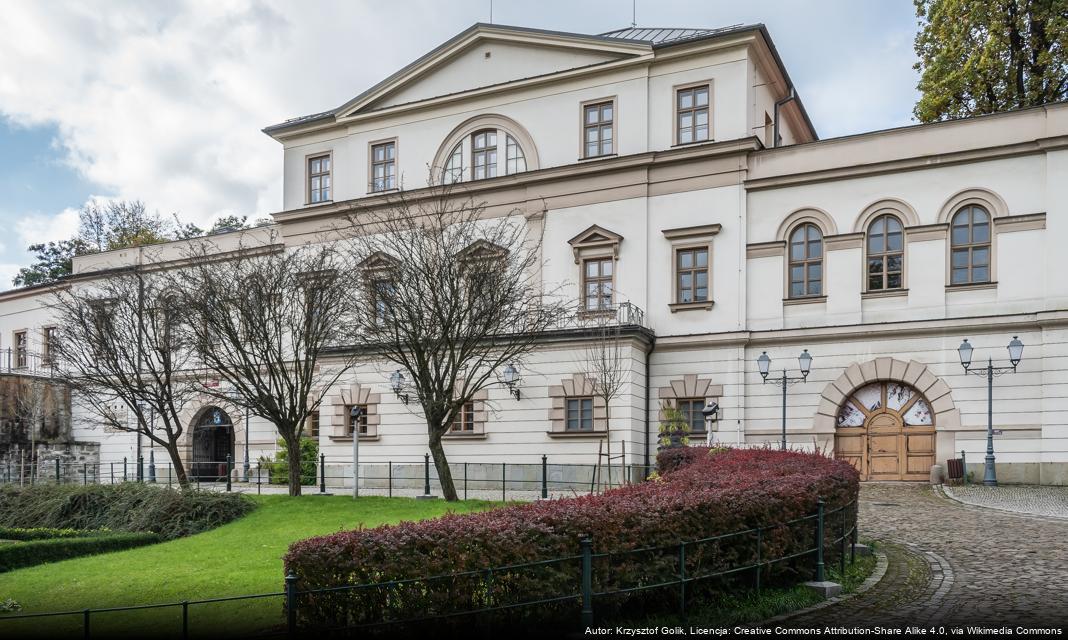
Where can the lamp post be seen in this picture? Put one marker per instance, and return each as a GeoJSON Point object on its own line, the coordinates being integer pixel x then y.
{"type": "Point", "coordinates": [1015, 348]}
{"type": "Point", "coordinates": [711, 414]}
{"type": "Point", "coordinates": [510, 377]}
{"type": "Point", "coordinates": [764, 365]}
{"type": "Point", "coordinates": [354, 420]}
{"type": "Point", "coordinates": [151, 444]}
{"type": "Point", "coordinates": [396, 382]}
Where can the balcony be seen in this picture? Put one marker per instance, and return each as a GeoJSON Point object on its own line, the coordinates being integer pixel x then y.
{"type": "Point", "coordinates": [22, 362]}
{"type": "Point", "coordinates": [622, 315]}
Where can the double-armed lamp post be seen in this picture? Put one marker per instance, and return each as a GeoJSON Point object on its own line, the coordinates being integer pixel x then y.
{"type": "Point", "coordinates": [764, 364]}
{"type": "Point", "coordinates": [1016, 348]}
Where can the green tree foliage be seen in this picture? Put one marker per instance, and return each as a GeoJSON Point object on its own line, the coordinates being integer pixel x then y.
{"type": "Point", "coordinates": [985, 56]}
{"type": "Point", "coordinates": [53, 261]}
{"type": "Point", "coordinates": [278, 468]}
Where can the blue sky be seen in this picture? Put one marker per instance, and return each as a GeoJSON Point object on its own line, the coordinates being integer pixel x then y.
{"type": "Point", "coordinates": [165, 101]}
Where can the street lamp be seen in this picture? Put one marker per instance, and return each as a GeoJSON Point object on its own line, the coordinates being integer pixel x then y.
{"type": "Point", "coordinates": [396, 381]}
{"type": "Point", "coordinates": [711, 415]}
{"type": "Point", "coordinates": [511, 379]}
{"type": "Point", "coordinates": [236, 398]}
{"type": "Point", "coordinates": [1015, 348]}
{"type": "Point", "coordinates": [354, 419]}
{"type": "Point", "coordinates": [764, 365]}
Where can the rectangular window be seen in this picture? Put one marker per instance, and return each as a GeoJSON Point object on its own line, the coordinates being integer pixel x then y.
{"type": "Point", "coordinates": [22, 346]}
{"type": "Point", "coordinates": [597, 276]}
{"type": "Point", "coordinates": [691, 408]}
{"type": "Point", "coordinates": [319, 179]}
{"type": "Point", "coordinates": [597, 129]}
{"type": "Point", "coordinates": [465, 420]}
{"type": "Point", "coordinates": [484, 154]}
{"type": "Point", "coordinates": [691, 114]}
{"type": "Point", "coordinates": [691, 269]}
{"type": "Point", "coordinates": [48, 341]}
{"type": "Point", "coordinates": [361, 422]}
{"type": "Point", "coordinates": [580, 414]}
{"type": "Point", "coordinates": [311, 428]}
{"type": "Point", "coordinates": [384, 166]}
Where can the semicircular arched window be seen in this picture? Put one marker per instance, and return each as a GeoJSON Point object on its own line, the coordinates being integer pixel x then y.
{"type": "Point", "coordinates": [886, 253]}
{"type": "Point", "coordinates": [970, 246]}
{"type": "Point", "coordinates": [806, 261]}
{"type": "Point", "coordinates": [481, 150]}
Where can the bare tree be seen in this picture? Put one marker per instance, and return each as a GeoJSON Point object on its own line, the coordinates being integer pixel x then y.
{"type": "Point", "coordinates": [118, 347]}
{"type": "Point", "coordinates": [605, 365]}
{"type": "Point", "coordinates": [31, 394]}
{"type": "Point", "coordinates": [452, 296]}
{"type": "Point", "coordinates": [263, 318]}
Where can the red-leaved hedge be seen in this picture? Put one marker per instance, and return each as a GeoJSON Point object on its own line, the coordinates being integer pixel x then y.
{"type": "Point", "coordinates": [705, 493]}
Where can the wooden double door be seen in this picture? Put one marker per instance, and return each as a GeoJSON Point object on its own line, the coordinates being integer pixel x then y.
{"type": "Point", "coordinates": [886, 430]}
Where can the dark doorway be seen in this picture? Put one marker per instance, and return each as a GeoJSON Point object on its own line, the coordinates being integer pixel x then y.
{"type": "Point", "coordinates": [213, 440]}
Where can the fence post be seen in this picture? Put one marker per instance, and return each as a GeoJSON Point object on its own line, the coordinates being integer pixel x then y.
{"type": "Point", "coordinates": [682, 579]}
{"type": "Point", "coordinates": [504, 482]}
{"type": "Point", "coordinates": [291, 604]}
{"type": "Point", "coordinates": [853, 543]}
{"type": "Point", "coordinates": [586, 544]}
{"type": "Point", "coordinates": [426, 474]}
{"type": "Point", "coordinates": [322, 472]}
{"type": "Point", "coordinates": [544, 477]}
{"type": "Point", "coordinates": [124, 468]}
{"type": "Point", "coordinates": [85, 473]}
{"type": "Point", "coordinates": [819, 539]}
{"type": "Point", "coordinates": [57, 470]}
{"type": "Point", "coordinates": [259, 487]}
{"type": "Point", "coordinates": [842, 542]}
{"type": "Point", "coordinates": [229, 468]}
{"type": "Point", "coordinates": [85, 624]}
{"type": "Point", "coordinates": [759, 556]}
{"type": "Point", "coordinates": [389, 464]}
{"type": "Point", "coordinates": [140, 469]}
{"type": "Point", "coordinates": [185, 619]}
{"type": "Point", "coordinates": [964, 466]}
{"type": "Point", "coordinates": [465, 481]}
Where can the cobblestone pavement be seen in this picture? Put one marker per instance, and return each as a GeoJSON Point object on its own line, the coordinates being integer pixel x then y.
{"type": "Point", "coordinates": [953, 564]}
{"type": "Point", "coordinates": [1042, 501]}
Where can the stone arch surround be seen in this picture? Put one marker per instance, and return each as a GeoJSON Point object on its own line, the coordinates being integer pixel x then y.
{"type": "Point", "coordinates": [913, 373]}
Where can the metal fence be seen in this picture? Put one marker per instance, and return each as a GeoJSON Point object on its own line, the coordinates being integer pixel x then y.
{"type": "Point", "coordinates": [405, 477]}
{"type": "Point", "coordinates": [582, 583]}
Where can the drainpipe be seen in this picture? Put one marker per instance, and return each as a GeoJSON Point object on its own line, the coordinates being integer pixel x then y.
{"type": "Point", "coordinates": [648, 401]}
{"type": "Point", "coordinates": [790, 96]}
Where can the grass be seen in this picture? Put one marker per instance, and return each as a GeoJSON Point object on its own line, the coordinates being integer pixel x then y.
{"type": "Point", "coordinates": [748, 607]}
{"type": "Point", "coordinates": [242, 557]}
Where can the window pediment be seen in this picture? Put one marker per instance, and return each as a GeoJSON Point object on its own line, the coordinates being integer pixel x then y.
{"type": "Point", "coordinates": [379, 261]}
{"type": "Point", "coordinates": [595, 237]}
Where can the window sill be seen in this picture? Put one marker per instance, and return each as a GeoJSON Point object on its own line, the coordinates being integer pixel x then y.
{"type": "Point", "coordinates": [601, 157]}
{"type": "Point", "coordinates": [972, 286]}
{"type": "Point", "coordinates": [577, 434]}
{"type": "Point", "coordinates": [804, 300]}
{"type": "Point", "coordinates": [464, 436]}
{"type": "Point", "coordinates": [887, 293]}
{"type": "Point", "coordinates": [690, 306]}
{"type": "Point", "coordinates": [349, 438]}
{"type": "Point", "coordinates": [316, 204]}
{"type": "Point", "coordinates": [372, 192]}
{"type": "Point", "coordinates": [679, 145]}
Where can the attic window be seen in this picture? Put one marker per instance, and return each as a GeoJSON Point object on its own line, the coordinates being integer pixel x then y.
{"type": "Point", "coordinates": [488, 54]}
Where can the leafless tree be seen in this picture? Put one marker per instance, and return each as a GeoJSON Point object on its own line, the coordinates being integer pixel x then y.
{"type": "Point", "coordinates": [452, 295]}
{"type": "Point", "coordinates": [605, 365]}
{"type": "Point", "coordinates": [31, 393]}
{"type": "Point", "coordinates": [262, 318]}
{"type": "Point", "coordinates": [119, 350]}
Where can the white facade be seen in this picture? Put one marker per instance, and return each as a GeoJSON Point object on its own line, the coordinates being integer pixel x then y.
{"type": "Point", "coordinates": [736, 195]}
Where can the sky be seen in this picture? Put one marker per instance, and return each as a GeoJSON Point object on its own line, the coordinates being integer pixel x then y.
{"type": "Point", "coordinates": [164, 100]}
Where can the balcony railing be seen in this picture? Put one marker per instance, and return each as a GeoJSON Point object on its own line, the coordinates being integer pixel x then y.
{"type": "Point", "coordinates": [624, 314]}
{"type": "Point", "coordinates": [27, 363]}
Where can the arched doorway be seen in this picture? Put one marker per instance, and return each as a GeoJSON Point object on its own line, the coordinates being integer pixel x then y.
{"type": "Point", "coordinates": [886, 430]}
{"type": "Point", "coordinates": [213, 440]}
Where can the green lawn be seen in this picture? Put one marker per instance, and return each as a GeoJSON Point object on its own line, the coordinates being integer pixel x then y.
{"type": "Point", "coordinates": [243, 557]}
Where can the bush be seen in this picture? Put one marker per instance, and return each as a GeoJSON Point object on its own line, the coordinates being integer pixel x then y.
{"type": "Point", "coordinates": [130, 507]}
{"type": "Point", "coordinates": [46, 533]}
{"type": "Point", "coordinates": [27, 554]}
{"type": "Point", "coordinates": [278, 468]}
{"type": "Point", "coordinates": [706, 493]}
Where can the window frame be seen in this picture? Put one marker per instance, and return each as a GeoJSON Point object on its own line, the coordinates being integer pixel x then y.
{"type": "Point", "coordinates": [613, 124]}
{"type": "Point", "coordinates": [464, 421]}
{"type": "Point", "coordinates": [49, 334]}
{"type": "Point", "coordinates": [308, 175]}
{"type": "Point", "coordinates": [580, 408]}
{"type": "Point", "coordinates": [20, 352]}
{"type": "Point", "coordinates": [885, 255]}
{"type": "Point", "coordinates": [689, 412]}
{"type": "Point", "coordinates": [313, 424]}
{"type": "Point", "coordinates": [372, 164]}
{"type": "Point", "coordinates": [484, 152]}
{"type": "Point", "coordinates": [350, 431]}
{"type": "Point", "coordinates": [677, 111]}
{"type": "Point", "coordinates": [805, 262]}
{"type": "Point", "coordinates": [600, 279]}
{"type": "Point", "coordinates": [678, 270]}
{"type": "Point", "coordinates": [971, 246]}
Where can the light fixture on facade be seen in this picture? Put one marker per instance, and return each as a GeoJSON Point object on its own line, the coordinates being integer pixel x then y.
{"type": "Point", "coordinates": [1015, 351]}
{"type": "Point", "coordinates": [764, 364]}
{"type": "Point", "coordinates": [396, 381]}
{"type": "Point", "coordinates": [510, 377]}
{"type": "Point", "coordinates": [965, 352]}
{"type": "Point", "coordinates": [805, 362]}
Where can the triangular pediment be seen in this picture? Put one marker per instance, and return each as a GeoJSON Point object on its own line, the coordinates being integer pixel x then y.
{"type": "Point", "coordinates": [514, 53]}
{"type": "Point", "coordinates": [595, 235]}
{"type": "Point", "coordinates": [378, 260]}
{"type": "Point", "coordinates": [482, 250]}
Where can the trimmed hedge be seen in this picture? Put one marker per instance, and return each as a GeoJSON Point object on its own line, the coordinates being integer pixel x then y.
{"type": "Point", "coordinates": [46, 533]}
{"type": "Point", "coordinates": [701, 494]}
{"type": "Point", "coordinates": [34, 552]}
{"type": "Point", "coordinates": [130, 507]}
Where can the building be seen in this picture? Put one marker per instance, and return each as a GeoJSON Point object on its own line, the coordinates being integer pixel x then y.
{"type": "Point", "coordinates": [676, 175]}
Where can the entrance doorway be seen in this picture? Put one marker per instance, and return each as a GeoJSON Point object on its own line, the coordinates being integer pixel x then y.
{"type": "Point", "coordinates": [213, 440]}
{"type": "Point", "coordinates": [886, 430]}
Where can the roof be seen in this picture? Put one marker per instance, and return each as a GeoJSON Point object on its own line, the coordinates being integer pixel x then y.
{"type": "Point", "coordinates": [663, 35]}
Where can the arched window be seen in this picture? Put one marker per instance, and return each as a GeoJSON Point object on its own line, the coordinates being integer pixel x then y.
{"type": "Point", "coordinates": [515, 161]}
{"type": "Point", "coordinates": [454, 168]}
{"type": "Point", "coordinates": [481, 148]}
{"type": "Point", "coordinates": [886, 253]}
{"type": "Point", "coordinates": [806, 261]}
{"type": "Point", "coordinates": [970, 246]}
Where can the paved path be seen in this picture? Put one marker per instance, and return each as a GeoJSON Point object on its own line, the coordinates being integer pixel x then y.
{"type": "Point", "coordinates": [1043, 501]}
{"type": "Point", "coordinates": [954, 564]}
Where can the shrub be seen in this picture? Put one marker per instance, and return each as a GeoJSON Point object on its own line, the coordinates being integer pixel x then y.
{"type": "Point", "coordinates": [674, 428]}
{"type": "Point", "coordinates": [27, 554]}
{"type": "Point", "coordinates": [46, 533]}
{"type": "Point", "coordinates": [278, 468]}
{"type": "Point", "coordinates": [130, 507]}
{"type": "Point", "coordinates": [702, 496]}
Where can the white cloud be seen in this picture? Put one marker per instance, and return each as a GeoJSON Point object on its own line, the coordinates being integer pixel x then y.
{"type": "Point", "coordinates": [32, 229]}
{"type": "Point", "coordinates": [8, 271]}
